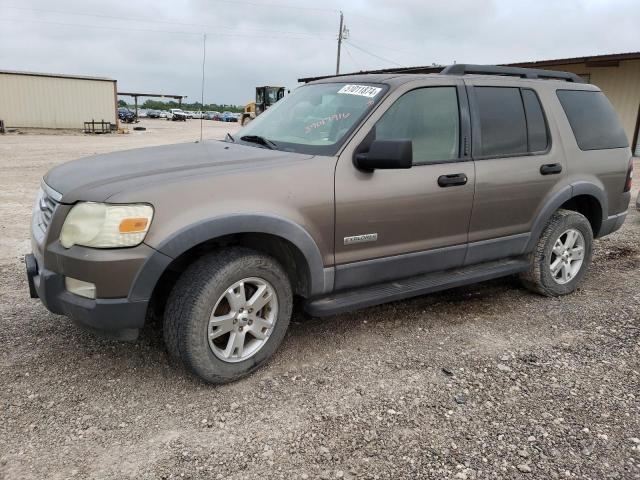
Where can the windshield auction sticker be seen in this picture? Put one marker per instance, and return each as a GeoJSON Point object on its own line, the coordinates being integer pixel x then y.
{"type": "Point", "coordinates": [362, 90]}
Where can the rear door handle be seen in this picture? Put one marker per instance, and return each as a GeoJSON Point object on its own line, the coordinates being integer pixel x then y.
{"type": "Point", "coordinates": [550, 169]}
{"type": "Point", "coordinates": [452, 180]}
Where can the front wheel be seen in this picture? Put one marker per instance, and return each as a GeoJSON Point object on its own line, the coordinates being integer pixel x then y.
{"type": "Point", "coordinates": [562, 256]}
{"type": "Point", "coordinates": [228, 313]}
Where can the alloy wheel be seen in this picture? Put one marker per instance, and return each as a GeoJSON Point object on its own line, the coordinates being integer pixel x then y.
{"type": "Point", "coordinates": [242, 320]}
{"type": "Point", "coordinates": [567, 256]}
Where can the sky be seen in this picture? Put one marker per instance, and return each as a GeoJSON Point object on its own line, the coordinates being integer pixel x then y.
{"type": "Point", "coordinates": [157, 46]}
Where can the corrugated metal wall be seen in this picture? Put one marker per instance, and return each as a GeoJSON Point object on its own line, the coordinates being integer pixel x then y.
{"type": "Point", "coordinates": [621, 84]}
{"type": "Point", "coordinates": [55, 102]}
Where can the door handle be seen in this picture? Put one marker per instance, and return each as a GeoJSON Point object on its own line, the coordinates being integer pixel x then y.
{"type": "Point", "coordinates": [452, 180]}
{"type": "Point", "coordinates": [550, 169]}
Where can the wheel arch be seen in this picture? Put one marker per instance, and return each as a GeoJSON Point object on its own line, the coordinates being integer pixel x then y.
{"type": "Point", "coordinates": [583, 197]}
{"type": "Point", "coordinates": [283, 239]}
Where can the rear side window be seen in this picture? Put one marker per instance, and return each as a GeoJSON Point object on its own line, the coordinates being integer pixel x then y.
{"type": "Point", "coordinates": [593, 120]}
{"type": "Point", "coordinates": [503, 126]}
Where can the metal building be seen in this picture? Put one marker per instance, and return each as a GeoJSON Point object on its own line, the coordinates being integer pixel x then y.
{"type": "Point", "coordinates": [618, 75]}
{"type": "Point", "coordinates": [43, 100]}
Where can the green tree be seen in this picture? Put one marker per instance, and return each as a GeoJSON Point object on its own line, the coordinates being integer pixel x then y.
{"type": "Point", "coordinates": [195, 106]}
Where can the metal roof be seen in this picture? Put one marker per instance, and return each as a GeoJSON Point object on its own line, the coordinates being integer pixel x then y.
{"type": "Point", "coordinates": [56, 75]}
{"type": "Point", "coordinates": [610, 59]}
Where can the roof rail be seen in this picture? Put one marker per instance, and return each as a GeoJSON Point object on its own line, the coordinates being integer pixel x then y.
{"type": "Point", "coordinates": [535, 73]}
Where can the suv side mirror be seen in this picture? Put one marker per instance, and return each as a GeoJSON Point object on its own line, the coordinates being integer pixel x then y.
{"type": "Point", "coordinates": [386, 154]}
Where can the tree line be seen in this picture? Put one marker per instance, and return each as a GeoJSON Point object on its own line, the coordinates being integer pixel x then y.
{"type": "Point", "coordinates": [194, 107]}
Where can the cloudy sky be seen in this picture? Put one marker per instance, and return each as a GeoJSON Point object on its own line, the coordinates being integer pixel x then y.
{"type": "Point", "coordinates": [150, 45]}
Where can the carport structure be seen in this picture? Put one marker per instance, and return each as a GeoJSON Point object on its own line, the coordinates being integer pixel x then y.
{"type": "Point", "coordinates": [150, 95]}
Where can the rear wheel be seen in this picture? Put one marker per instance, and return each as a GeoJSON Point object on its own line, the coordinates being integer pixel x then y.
{"type": "Point", "coordinates": [227, 314]}
{"type": "Point", "coordinates": [562, 256]}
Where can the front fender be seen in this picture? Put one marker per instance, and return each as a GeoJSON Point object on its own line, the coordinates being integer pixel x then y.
{"type": "Point", "coordinates": [213, 228]}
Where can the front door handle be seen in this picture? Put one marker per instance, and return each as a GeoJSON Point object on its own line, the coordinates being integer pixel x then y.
{"type": "Point", "coordinates": [550, 169]}
{"type": "Point", "coordinates": [452, 180]}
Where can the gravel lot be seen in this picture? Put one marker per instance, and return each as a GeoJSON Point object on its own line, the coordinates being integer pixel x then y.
{"type": "Point", "coordinates": [486, 381]}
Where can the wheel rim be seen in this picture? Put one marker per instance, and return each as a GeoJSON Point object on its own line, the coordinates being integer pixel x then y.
{"type": "Point", "coordinates": [242, 319]}
{"type": "Point", "coordinates": [567, 256]}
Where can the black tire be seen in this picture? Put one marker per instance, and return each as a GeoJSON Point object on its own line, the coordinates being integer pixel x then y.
{"type": "Point", "coordinates": [194, 297]}
{"type": "Point", "coordinates": [539, 278]}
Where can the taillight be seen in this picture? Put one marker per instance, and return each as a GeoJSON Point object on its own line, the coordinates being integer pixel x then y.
{"type": "Point", "coordinates": [627, 184]}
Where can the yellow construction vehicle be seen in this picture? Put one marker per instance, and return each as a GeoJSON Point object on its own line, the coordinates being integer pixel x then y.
{"type": "Point", "coordinates": [265, 97]}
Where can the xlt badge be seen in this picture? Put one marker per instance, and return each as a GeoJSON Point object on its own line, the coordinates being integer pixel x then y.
{"type": "Point", "coordinates": [365, 237]}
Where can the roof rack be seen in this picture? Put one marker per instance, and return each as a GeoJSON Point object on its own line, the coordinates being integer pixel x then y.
{"type": "Point", "coordinates": [535, 73]}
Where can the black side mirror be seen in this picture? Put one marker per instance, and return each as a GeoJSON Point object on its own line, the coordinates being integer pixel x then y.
{"type": "Point", "coordinates": [386, 154]}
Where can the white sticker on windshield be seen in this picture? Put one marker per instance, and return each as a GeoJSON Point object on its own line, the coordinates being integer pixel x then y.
{"type": "Point", "coordinates": [362, 90]}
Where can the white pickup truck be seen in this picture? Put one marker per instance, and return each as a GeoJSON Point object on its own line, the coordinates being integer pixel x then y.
{"type": "Point", "coordinates": [177, 114]}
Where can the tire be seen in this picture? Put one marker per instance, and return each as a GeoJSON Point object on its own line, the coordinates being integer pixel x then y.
{"type": "Point", "coordinates": [564, 226]}
{"type": "Point", "coordinates": [202, 290]}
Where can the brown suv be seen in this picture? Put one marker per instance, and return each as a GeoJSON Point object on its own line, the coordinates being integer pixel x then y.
{"type": "Point", "coordinates": [351, 192]}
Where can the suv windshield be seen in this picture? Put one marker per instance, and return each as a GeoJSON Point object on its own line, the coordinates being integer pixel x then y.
{"type": "Point", "coordinates": [315, 118]}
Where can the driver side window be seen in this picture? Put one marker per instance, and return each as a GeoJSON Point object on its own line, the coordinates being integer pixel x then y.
{"type": "Point", "coordinates": [430, 118]}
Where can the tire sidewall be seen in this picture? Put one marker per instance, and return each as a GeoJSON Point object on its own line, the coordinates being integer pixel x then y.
{"type": "Point", "coordinates": [194, 344]}
{"type": "Point", "coordinates": [573, 221]}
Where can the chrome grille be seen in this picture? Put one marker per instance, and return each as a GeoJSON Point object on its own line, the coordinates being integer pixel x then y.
{"type": "Point", "coordinates": [47, 206]}
{"type": "Point", "coordinates": [43, 211]}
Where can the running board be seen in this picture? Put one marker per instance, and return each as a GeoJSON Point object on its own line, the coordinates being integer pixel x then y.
{"type": "Point", "coordinates": [410, 287]}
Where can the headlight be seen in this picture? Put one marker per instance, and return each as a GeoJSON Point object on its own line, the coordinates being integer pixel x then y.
{"type": "Point", "coordinates": [101, 225]}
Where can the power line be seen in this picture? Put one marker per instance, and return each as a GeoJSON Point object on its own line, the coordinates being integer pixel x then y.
{"type": "Point", "coordinates": [164, 22]}
{"type": "Point", "coordinates": [374, 45]}
{"type": "Point", "coordinates": [276, 5]}
{"type": "Point", "coordinates": [372, 54]}
{"type": "Point", "coordinates": [148, 30]}
{"type": "Point", "coordinates": [356, 64]}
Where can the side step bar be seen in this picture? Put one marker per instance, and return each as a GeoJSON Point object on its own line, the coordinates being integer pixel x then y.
{"type": "Point", "coordinates": [348, 300]}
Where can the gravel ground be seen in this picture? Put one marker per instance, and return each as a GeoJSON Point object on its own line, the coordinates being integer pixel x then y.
{"type": "Point", "coordinates": [486, 381]}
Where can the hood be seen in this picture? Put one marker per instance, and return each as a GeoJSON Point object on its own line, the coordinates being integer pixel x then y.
{"type": "Point", "coordinates": [98, 177]}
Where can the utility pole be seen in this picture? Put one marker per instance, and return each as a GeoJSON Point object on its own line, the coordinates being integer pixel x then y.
{"type": "Point", "coordinates": [342, 34]}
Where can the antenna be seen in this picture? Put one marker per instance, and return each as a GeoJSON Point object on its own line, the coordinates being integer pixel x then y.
{"type": "Point", "coordinates": [204, 57]}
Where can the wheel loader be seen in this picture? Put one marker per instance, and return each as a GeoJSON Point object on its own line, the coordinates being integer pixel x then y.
{"type": "Point", "coordinates": [265, 97]}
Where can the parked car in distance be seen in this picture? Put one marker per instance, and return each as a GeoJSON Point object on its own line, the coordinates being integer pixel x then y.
{"type": "Point", "coordinates": [391, 197]}
{"type": "Point", "coordinates": [125, 115]}
{"type": "Point", "coordinates": [188, 114]}
{"type": "Point", "coordinates": [153, 114]}
{"type": "Point", "coordinates": [197, 115]}
{"type": "Point", "coordinates": [229, 117]}
{"type": "Point", "coordinates": [211, 115]}
{"type": "Point", "coordinates": [177, 115]}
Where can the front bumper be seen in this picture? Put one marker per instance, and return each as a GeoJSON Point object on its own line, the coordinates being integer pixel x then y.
{"type": "Point", "coordinates": [119, 318]}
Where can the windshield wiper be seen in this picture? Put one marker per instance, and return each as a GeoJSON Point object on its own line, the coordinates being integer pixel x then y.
{"type": "Point", "coordinates": [259, 140]}
{"type": "Point", "coordinates": [230, 137]}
